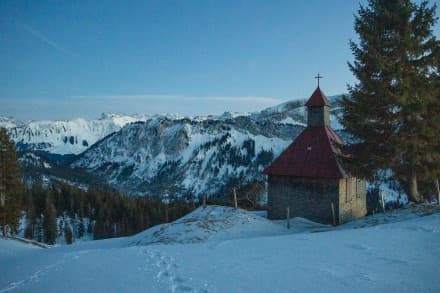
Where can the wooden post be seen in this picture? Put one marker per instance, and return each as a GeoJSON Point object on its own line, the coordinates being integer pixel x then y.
{"type": "Point", "coordinates": [333, 213]}
{"type": "Point", "coordinates": [235, 199]}
{"type": "Point", "coordinates": [383, 202]}
{"type": "Point", "coordinates": [288, 217]}
{"type": "Point", "coordinates": [438, 190]}
{"type": "Point", "coordinates": [204, 201]}
{"type": "Point", "coordinates": [2, 195]}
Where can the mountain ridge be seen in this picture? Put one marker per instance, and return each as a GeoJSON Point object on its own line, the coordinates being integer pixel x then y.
{"type": "Point", "coordinates": [168, 156]}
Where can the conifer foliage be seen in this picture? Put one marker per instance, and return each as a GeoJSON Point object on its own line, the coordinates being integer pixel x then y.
{"type": "Point", "coordinates": [61, 209]}
{"type": "Point", "coordinates": [393, 111]}
{"type": "Point", "coordinates": [10, 185]}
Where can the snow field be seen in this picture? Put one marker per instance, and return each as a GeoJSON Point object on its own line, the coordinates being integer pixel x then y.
{"type": "Point", "coordinates": [237, 251]}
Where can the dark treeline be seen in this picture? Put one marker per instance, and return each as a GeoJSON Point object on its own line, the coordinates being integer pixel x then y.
{"type": "Point", "coordinates": [101, 213]}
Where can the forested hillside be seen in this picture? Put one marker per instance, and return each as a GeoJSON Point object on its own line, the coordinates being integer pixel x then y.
{"type": "Point", "coordinates": [64, 214]}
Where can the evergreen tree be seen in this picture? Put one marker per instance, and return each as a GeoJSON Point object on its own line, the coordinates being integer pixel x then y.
{"type": "Point", "coordinates": [39, 229]}
{"type": "Point", "coordinates": [10, 185]}
{"type": "Point", "coordinates": [29, 230]}
{"type": "Point", "coordinates": [81, 230]}
{"type": "Point", "coordinates": [61, 226]}
{"type": "Point", "coordinates": [68, 235]}
{"type": "Point", "coordinates": [393, 112]}
{"type": "Point", "coordinates": [90, 227]}
{"type": "Point", "coordinates": [50, 223]}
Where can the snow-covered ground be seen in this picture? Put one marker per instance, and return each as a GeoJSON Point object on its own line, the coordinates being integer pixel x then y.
{"type": "Point", "coordinates": [11, 248]}
{"type": "Point", "coordinates": [219, 249]}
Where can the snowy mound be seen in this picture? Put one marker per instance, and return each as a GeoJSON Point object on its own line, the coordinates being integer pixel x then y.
{"type": "Point", "coordinates": [11, 247]}
{"type": "Point", "coordinates": [213, 223]}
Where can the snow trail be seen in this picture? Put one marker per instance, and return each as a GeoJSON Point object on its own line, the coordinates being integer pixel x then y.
{"type": "Point", "coordinates": [169, 272]}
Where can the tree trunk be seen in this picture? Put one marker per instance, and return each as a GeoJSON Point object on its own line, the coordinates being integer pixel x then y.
{"type": "Point", "coordinates": [414, 195]}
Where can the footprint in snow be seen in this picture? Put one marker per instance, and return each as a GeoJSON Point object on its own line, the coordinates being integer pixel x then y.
{"type": "Point", "coordinates": [167, 272]}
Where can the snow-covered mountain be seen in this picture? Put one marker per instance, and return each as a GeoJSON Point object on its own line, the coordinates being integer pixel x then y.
{"type": "Point", "coordinates": [163, 157]}
{"type": "Point", "coordinates": [64, 136]}
{"type": "Point", "coordinates": [190, 157]}
{"type": "Point", "coordinates": [169, 155]}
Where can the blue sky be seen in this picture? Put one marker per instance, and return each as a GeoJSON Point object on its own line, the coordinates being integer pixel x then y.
{"type": "Point", "coordinates": [66, 59]}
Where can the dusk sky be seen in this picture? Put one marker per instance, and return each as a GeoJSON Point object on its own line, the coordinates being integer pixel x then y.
{"type": "Point", "coordinates": [67, 59]}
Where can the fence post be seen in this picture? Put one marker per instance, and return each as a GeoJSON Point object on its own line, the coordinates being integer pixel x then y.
{"type": "Point", "coordinates": [288, 217]}
{"type": "Point", "coordinates": [235, 199]}
{"type": "Point", "coordinates": [204, 201]}
{"type": "Point", "coordinates": [383, 202]}
{"type": "Point", "coordinates": [333, 213]}
{"type": "Point", "coordinates": [438, 190]}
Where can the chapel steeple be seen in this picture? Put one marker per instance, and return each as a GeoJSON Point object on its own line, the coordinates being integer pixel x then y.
{"type": "Point", "coordinates": [318, 109]}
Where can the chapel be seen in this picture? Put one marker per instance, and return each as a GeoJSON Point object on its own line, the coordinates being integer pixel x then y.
{"type": "Point", "coordinates": [309, 179]}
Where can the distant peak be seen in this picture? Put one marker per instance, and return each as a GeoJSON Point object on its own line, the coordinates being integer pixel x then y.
{"type": "Point", "coordinates": [110, 115]}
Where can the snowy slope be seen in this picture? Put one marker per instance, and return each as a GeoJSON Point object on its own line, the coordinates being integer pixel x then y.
{"type": "Point", "coordinates": [401, 256]}
{"type": "Point", "coordinates": [219, 223]}
{"type": "Point", "coordinates": [64, 137]}
{"type": "Point", "coordinates": [10, 248]}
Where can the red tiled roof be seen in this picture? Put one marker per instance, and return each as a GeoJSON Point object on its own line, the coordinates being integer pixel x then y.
{"type": "Point", "coordinates": [312, 154]}
{"type": "Point", "coordinates": [318, 99]}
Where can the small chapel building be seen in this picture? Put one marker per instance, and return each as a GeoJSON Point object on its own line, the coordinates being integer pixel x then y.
{"type": "Point", "coordinates": [308, 178]}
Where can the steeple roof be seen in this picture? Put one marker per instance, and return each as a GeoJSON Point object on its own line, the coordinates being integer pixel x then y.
{"type": "Point", "coordinates": [312, 154]}
{"type": "Point", "coordinates": [318, 99]}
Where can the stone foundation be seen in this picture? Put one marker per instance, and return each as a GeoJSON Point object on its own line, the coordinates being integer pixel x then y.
{"type": "Point", "coordinates": [312, 198]}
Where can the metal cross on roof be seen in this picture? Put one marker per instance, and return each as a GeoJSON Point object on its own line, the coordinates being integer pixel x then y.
{"type": "Point", "coordinates": [319, 77]}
